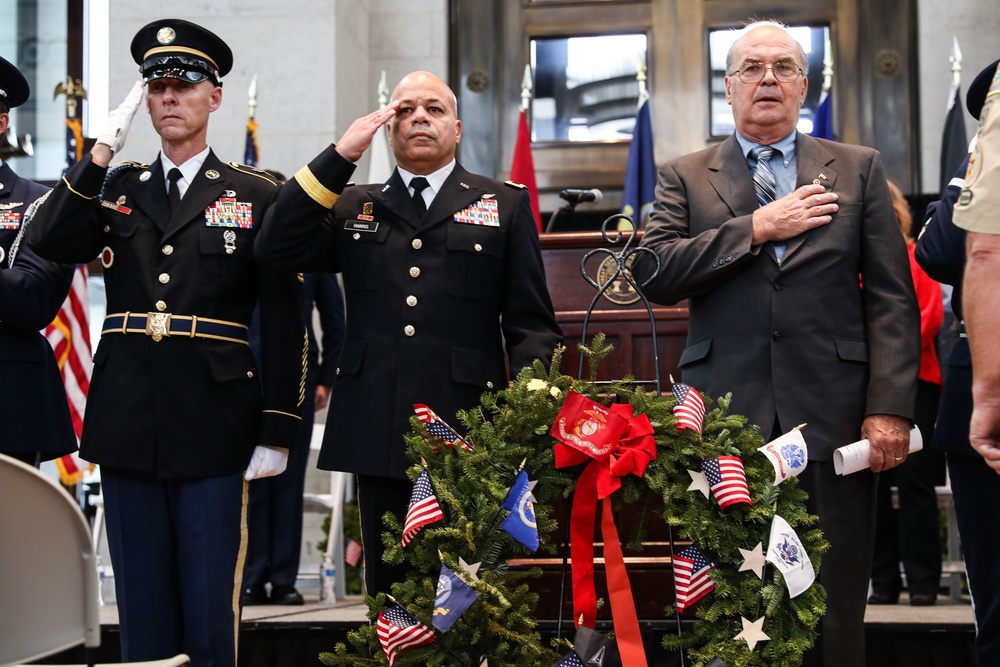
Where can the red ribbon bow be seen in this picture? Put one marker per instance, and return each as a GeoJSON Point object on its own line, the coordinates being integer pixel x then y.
{"type": "Point", "coordinates": [617, 444]}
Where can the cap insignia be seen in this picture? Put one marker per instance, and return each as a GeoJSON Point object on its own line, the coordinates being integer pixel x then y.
{"type": "Point", "coordinates": [166, 35]}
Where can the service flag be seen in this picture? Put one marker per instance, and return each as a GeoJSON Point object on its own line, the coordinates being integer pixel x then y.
{"type": "Point", "coordinates": [352, 552]}
{"type": "Point", "coordinates": [74, 143]}
{"type": "Point", "coordinates": [691, 576]}
{"type": "Point", "coordinates": [640, 174]}
{"type": "Point", "coordinates": [69, 336]}
{"type": "Point", "coordinates": [398, 631]}
{"type": "Point", "coordinates": [453, 597]}
{"type": "Point", "coordinates": [423, 510]}
{"type": "Point", "coordinates": [522, 167]}
{"type": "Point", "coordinates": [251, 152]}
{"type": "Point", "coordinates": [785, 551]}
{"type": "Point", "coordinates": [520, 523]}
{"type": "Point", "coordinates": [439, 429]}
{"type": "Point", "coordinates": [571, 659]}
{"type": "Point", "coordinates": [690, 407]}
{"type": "Point", "coordinates": [594, 648]}
{"type": "Point", "coordinates": [788, 454]}
{"type": "Point", "coordinates": [727, 479]}
{"type": "Point", "coordinates": [823, 120]}
{"type": "Point", "coordinates": [954, 141]}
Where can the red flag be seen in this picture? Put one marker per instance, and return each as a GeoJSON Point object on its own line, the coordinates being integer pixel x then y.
{"type": "Point", "coordinates": [691, 577]}
{"type": "Point", "coordinates": [522, 168]}
{"type": "Point", "coordinates": [398, 631]}
{"type": "Point", "coordinates": [69, 336]}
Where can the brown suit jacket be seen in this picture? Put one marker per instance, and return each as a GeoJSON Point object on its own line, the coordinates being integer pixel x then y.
{"type": "Point", "coordinates": [830, 335]}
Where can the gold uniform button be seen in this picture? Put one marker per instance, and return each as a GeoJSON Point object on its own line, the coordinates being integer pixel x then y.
{"type": "Point", "coordinates": [250, 374]}
{"type": "Point", "coordinates": [356, 236]}
{"type": "Point", "coordinates": [168, 249]}
{"type": "Point", "coordinates": [164, 278]}
{"type": "Point", "coordinates": [417, 244]}
{"type": "Point", "coordinates": [161, 306]}
{"type": "Point", "coordinates": [411, 301]}
{"type": "Point", "coordinates": [478, 247]}
{"type": "Point", "coordinates": [107, 229]}
{"type": "Point", "coordinates": [489, 384]}
{"type": "Point", "coordinates": [414, 271]}
{"type": "Point", "coordinates": [338, 371]}
{"type": "Point", "coordinates": [409, 330]}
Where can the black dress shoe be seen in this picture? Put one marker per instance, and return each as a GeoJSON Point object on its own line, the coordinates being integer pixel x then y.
{"type": "Point", "coordinates": [286, 595]}
{"type": "Point", "coordinates": [922, 600]}
{"type": "Point", "coordinates": [881, 598]}
{"type": "Point", "coordinates": [254, 595]}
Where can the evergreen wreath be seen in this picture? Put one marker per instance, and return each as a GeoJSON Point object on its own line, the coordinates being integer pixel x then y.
{"type": "Point", "coordinates": [512, 426]}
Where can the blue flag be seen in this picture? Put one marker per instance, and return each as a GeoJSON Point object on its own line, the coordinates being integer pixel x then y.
{"type": "Point", "coordinates": [454, 596]}
{"type": "Point", "coordinates": [251, 153]}
{"type": "Point", "coordinates": [520, 523]}
{"type": "Point", "coordinates": [823, 120]}
{"type": "Point", "coordinates": [640, 175]}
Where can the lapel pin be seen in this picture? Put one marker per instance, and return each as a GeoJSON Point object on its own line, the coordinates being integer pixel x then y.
{"type": "Point", "coordinates": [145, 176]}
{"type": "Point", "coordinates": [211, 174]}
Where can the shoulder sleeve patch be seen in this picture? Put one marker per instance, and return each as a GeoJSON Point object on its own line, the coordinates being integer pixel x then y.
{"type": "Point", "coordinates": [513, 184]}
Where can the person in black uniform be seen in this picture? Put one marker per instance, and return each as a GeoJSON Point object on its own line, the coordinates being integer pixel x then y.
{"type": "Point", "coordinates": [177, 415]}
{"type": "Point", "coordinates": [975, 486]}
{"type": "Point", "coordinates": [442, 274]}
{"type": "Point", "coordinates": [36, 424]}
{"type": "Point", "coordinates": [275, 519]}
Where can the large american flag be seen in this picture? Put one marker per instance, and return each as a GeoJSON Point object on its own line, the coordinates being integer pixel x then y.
{"type": "Point", "coordinates": [69, 336]}
{"type": "Point", "coordinates": [691, 577]}
{"type": "Point", "coordinates": [690, 408]}
{"type": "Point", "coordinates": [423, 510]}
{"type": "Point", "coordinates": [398, 631]}
{"type": "Point", "coordinates": [438, 429]}
{"type": "Point", "coordinates": [727, 479]}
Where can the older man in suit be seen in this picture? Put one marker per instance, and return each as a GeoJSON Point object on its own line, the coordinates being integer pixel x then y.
{"type": "Point", "coordinates": [442, 274]}
{"type": "Point", "coordinates": [800, 301]}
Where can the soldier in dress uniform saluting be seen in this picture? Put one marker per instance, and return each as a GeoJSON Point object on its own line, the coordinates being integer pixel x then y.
{"type": "Point", "coordinates": [35, 423]}
{"type": "Point", "coordinates": [179, 415]}
{"type": "Point", "coordinates": [444, 286]}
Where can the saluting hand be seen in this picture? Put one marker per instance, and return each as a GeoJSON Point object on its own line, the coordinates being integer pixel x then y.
{"type": "Point", "coordinates": [799, 211]}
{"type": "Point", "coordinates": [359, 135]}
{"type": "Point", "coordinates": [116, 128]}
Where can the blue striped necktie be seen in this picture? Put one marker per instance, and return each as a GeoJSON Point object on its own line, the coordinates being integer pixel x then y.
{"type": "Point", "coordinates": [763, 176]}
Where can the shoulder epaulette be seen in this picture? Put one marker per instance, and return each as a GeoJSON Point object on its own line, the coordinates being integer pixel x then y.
{"type": "Point", "coordinates": [513, 184]}
{"type": "Point", "coordinates": [349, 184]}
{"type": "Point", "coordinates": [254, 171]}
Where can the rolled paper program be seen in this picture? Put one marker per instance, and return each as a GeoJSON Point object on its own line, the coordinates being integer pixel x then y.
{"type": "Point", "coordinates": [855, 456]}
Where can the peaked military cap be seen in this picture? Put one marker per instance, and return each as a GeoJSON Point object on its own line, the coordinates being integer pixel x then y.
{"type": "Point", "coordinates": [14, 89]}
{"type": "Point", "coordinates": [179, 49]}
{"type": "Point", "coordinates": [976, 97]}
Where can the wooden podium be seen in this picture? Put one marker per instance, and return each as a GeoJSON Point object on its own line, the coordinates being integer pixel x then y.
{"type": "Point", "coordinates": [622, 317]}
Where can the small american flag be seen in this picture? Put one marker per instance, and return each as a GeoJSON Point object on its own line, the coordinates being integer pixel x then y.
{"type": "Point", "coordinates": [727, 479]}
{"type": "Point", "coordinates": [423, 510]}
{"type": "Point", "coordinates": [398, 631]}
{"type": "Point", "coordinates": [352, 552]}
{"type": "Point", "coordinates": [690, 408]}
{"type": "Point", "coordinates": [438, 429]}
{"type": "Point", "coordinates": [691, 577]}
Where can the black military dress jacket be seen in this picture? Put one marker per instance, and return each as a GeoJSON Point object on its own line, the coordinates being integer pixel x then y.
{"type": "Point", "coordinates": [180, 406]}
{"type": "Point", "coordinates": [34, 414]}
{"type": "Point", "coordinates": [432, 304]}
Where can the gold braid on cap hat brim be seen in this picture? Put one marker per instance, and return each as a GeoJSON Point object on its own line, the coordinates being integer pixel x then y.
{"type": "Point", "coordinates": [180, 49]}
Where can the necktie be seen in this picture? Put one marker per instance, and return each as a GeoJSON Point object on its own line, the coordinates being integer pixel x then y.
{"type": "Point", "coordinates": [418, 184]}
{"type": "Point", "coordinates": [763, 176]}
{"type": "Point", "coordinates": [173, 192]}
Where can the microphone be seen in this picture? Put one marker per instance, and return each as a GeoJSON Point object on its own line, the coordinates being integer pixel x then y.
{"type": "Point", "coordinates": [574, 197]}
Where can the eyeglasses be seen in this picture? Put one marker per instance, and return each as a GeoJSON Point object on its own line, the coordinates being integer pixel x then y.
{"type": "Point", "coordinates": [784, 71]}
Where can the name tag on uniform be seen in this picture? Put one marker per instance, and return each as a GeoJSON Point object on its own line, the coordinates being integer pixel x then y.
{"type": "Point", "coordinates": [10, 220]}
{"type": "Point", "coordinates": [360, 226]}
{"type": "Point", "coordinates": [227, 212]}
{"type": "Point", "coordinates": [484, 212]}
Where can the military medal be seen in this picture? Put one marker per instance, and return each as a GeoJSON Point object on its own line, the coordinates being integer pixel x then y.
{"type": "Point", "coordinates": [483, 212]}
{"type": "Point", "coordinates": [367, 208]}
{"type": "Point", "coordinates": [227, 212]}
{"type": "Point", "coordinates": [117, 206]}
{"type": "Point", "coordinates": [107, 257]}
{"type": "Point", "coordinates": [2, 254]}
{"type": "Point", "coordinates": [10, 220]}
{"type": "Point", "coordinates": [229, 236]}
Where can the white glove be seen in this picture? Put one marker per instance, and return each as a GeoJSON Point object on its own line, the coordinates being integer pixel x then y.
{"type": "Point", "coordinates": [266, 462]}
{"type": "Point", "coordinates": [119, 120]}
